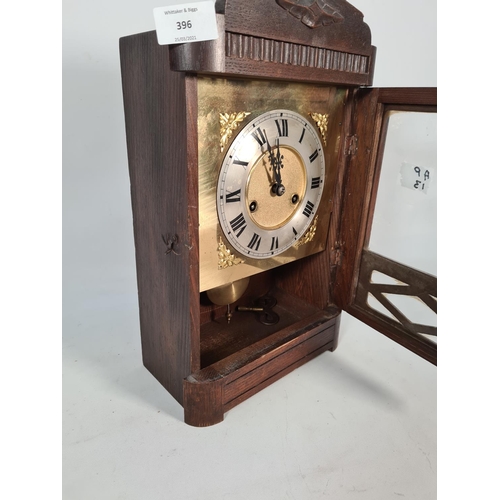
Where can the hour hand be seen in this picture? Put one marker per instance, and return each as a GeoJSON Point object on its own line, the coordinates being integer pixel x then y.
{"type": "Point", "coordinates": [278, 187]}
{"type": "Point", "coordinates": [272, 159]}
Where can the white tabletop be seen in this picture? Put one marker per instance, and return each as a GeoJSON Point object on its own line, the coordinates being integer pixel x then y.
{"type": "Point", "coordinates": [356, 423]}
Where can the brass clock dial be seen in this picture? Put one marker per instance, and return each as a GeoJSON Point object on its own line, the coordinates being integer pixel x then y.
{"type": "Point", "coordinates": [259, 208]}
{"type": "Point", "coordinates": [270, 184]}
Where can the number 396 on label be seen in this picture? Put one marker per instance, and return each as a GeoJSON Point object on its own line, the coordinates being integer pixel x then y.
{"type": "Point", "coordinates": [182, 25]}
{"type": "Point", "coordinates": [195, 20]}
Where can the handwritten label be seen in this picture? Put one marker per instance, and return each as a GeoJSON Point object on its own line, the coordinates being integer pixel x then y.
{"type": "Point", "coordinates": [185, 22]}
{"type": "Point", "coordinates": [416, 177]}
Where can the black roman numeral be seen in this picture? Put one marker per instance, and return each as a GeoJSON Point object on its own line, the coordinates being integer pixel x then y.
{"type": "Point", "coordinates": [313, 156]}
{"type": "Point", "coordinates": [283, 129]}
{"type": "Point", "coordinates": [274, 244]}
{"type": "Point", "coordinates": [302, 135]}
{"type": "Point", "coordinates": [315, 182]}
{"type": "Point", "coordinates": [255, 242]}
{"type": "Point", "coordinates": [240, 162]}
{"type": "Point", "coordinates": [240, 223]}
{"type": "Point", "coordinates": [308, 209]}
{"type": "Point", "coordinates": [234, 196]}
{"type": "Point", "coordinates": [259, 136]}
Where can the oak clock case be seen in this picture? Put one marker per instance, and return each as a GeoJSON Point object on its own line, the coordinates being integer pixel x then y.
{"type": "Point", "coordinates": [254, 162]}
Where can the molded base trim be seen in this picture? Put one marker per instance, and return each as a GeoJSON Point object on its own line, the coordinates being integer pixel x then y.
{"type": "Point", "coordinates": [216, 389]}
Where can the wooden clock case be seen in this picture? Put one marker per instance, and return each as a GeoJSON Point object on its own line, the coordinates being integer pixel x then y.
{"type": "Point", "coordinates": [207, 366]}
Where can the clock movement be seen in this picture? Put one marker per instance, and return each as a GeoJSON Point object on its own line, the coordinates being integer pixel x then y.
{"type": "Point", "coordinates": [255, 163]}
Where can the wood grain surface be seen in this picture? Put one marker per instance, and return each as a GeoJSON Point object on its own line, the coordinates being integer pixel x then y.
{"type": "Point", "coordinates": [208, 365]}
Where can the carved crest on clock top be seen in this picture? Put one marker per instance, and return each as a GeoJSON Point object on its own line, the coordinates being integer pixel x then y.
{"type": "Point", "coordinates": [313, 13]}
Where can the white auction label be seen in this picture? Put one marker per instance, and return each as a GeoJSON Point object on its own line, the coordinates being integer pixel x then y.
{"type": "Point", "coordinates": [416, 177]}
{"type": "Point", "coordinates": [185, 22]}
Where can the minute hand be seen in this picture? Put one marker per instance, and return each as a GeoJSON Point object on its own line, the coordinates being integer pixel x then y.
{"type": "Point", "coordinates": [279, 165]}
{"type": "Point", "coordinates": [278, 187]}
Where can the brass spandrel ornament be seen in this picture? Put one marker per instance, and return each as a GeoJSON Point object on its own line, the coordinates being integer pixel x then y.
{"type": "Point", "coordinates": [226, 258]}
{"type": "Point", "coordinates": [321, 121]}
{"type": "Point", "coordinates": [309, 236]}
{"type": "Point", "coordinates": [229, 122]}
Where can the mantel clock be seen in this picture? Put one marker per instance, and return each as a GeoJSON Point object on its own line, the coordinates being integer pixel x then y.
{"type": "Point", "coordinates": [255, 163]}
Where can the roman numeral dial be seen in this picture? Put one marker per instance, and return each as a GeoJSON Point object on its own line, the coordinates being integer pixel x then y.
{"type": "Point", "coordinates": [270, 184]}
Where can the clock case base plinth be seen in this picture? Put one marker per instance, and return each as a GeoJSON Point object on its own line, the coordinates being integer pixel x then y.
{"type": "Point", "coordinates": [214, 390]}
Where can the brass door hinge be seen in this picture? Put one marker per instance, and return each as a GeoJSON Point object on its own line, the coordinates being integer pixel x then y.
{"type": "Point", "coordinates": [351, 145]}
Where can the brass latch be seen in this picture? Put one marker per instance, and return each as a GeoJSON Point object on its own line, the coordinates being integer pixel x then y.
{"type": "Point", "coordinates": [337, 253]}
{"type": "Point", "coordinates": [351, 145]}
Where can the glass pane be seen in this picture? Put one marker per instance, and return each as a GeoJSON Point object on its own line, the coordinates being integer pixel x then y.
{"type": "Point", "coordinates": [404, 221]}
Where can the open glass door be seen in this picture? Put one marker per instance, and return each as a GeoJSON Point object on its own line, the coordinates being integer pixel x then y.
{"type": "Point", "coordinates": [392, 267]}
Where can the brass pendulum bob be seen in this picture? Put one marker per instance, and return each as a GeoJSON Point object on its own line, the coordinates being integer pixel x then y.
{"type": "Point", "coordinates": [225, 295]}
